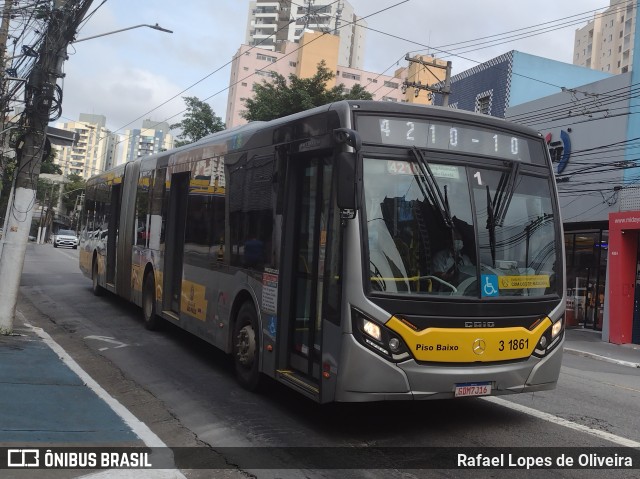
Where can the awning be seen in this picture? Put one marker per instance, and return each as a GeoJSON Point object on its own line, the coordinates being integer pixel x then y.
{"type": "Point", "coordinates": [58, 136]}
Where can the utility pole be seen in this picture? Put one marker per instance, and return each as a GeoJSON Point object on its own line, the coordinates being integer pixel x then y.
{"type": "Point", "coordinates": [4, 35]}
{"type": "Point", "coordinates": [65, 17]}
{"type": "Point", "coordinates": [444, 89]}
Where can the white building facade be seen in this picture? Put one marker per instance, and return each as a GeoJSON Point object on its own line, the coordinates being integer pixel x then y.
{"type": "Point", "coordinates": [93, 151]}
{"type": "Point", "coordinates": [606, 42]}
{"type": "Point", "coordinates": [153, 137]}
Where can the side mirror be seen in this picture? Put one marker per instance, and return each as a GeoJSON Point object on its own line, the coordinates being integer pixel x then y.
{"type": "Point", "coordinates": [346, 169]}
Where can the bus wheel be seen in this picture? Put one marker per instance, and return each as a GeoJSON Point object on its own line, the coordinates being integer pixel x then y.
{"type": "Point", "coordinates": [246, 347]}
{"type": "Point", "coordinates": [95, 287]}
{"type": "Point", "coordinates": [151, 319]}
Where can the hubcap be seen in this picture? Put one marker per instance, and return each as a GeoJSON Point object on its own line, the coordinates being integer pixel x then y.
{"type": "Point", "coordinates": [147, 305]}
{"type": "Point", "coordinates": [246, 346]}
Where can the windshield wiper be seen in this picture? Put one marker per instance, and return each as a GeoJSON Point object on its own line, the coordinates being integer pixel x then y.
{"type": "Point", "coordinates": [497, 208]}
{"type": "Point", "coordinates": [432, 188]}
{"type": "Point", "coordinates": [491, 226]}
{"type": "Point", "coordinates": [504, 193]}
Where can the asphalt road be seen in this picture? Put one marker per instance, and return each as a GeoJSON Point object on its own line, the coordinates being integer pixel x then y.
{"type": "Point", "coordinates": [185, 391]}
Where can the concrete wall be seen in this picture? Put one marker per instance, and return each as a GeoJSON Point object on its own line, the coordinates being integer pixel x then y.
{"type": "Point", "coordinates": [594, 118]}
{"type": "Point", "coordinates": [514, 78]}
{"type": "Point", "coordinates": [535, 77]}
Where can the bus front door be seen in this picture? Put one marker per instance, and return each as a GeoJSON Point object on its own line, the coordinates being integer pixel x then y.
{"type": "Point", "coordinates": [311, 253]}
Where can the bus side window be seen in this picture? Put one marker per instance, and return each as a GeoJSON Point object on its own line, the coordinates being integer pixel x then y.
{"type": "Point", "coordinates": [251, 213]}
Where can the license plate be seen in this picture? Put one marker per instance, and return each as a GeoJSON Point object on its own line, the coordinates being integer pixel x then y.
{"type": "Point", "coordinates": [472, 389]}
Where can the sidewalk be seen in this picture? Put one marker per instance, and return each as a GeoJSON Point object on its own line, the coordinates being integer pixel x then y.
{"type": "Point", "coordinates": [587, 342]}
{"type": "Point", "coordinates": [48, 401]}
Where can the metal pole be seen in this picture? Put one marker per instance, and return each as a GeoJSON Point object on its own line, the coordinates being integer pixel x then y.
{"type": "Point", "coordinates": [155, 27]}
{"type": "Point", "coordinates": [62, 26]}
{"type": "Point", "coordinates": [447, 85]}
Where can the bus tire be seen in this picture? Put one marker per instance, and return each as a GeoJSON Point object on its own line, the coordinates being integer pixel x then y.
{"type": "Point", "coordinates": [95, 286]}
{"type": "Point", "coordinates": [151, 319]}
{"type": "Point", "coordinates": [246, 347]}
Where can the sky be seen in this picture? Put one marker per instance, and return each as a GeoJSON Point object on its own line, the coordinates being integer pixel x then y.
{"type": "Point", "coordinates": [143, 73]}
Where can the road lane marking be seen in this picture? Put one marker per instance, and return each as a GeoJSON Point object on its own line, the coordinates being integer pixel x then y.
{"type": "Point", "coordinates": [622, 441]}
{"type": "Point", "coordinates": [107, 339]}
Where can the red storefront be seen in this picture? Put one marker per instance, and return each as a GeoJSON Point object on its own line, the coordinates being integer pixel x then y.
{"type": "Point", "coordinates": [624, 277]}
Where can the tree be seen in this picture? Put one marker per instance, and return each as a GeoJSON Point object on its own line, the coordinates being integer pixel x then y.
{"type": "Point", "coordinates": [277, 98]}
{"type": "Point", "coordinates": [48, 165]}
{"type": "Point", "coordinates": [198, 122]}
{"type": "Point", "coordinates": [10, 164]}
{"type": "Point", "coordinates": [72, 189]}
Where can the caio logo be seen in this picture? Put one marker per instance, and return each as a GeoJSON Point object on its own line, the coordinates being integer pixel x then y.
{"type": "Point", "coordinates": [560, 150]}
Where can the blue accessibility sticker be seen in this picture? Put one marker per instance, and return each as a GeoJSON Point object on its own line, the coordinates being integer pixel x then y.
{"type": "Point", "coordinates": [489, 285]}
{"type": "Point", "coordinates": [272, 323]}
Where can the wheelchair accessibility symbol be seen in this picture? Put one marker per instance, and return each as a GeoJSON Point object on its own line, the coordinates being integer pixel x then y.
{"type": "Point", "coordinates": [489, 284]}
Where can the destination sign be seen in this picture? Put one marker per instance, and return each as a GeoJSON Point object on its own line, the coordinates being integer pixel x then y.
{"type": "Point", "coordinates": [449, 136]}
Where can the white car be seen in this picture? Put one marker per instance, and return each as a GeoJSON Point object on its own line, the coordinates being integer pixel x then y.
{"type": "Point", "coordinates": [66, 238]}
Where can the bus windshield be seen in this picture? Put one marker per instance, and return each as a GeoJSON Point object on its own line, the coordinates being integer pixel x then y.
{"type": "Point", "coordinates": [450, 230]}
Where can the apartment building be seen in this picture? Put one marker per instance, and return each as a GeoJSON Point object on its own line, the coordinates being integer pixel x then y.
{"type": "Point", "coordinates": [94, 150]}
{"type": "Point", "coordinates": [606, 42]}
{"type": "Point", "coordinates": [153, 137]}
{"type": "Point", "coordinates": [254, 65]}
{"type": "Point", "coordinates": [271, 24]}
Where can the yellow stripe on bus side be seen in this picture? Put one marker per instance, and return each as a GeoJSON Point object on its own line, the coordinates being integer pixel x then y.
{"type": "Point", "coordinates": [193, 301]}
{"type": "Point", "coordinates": [468, 345]}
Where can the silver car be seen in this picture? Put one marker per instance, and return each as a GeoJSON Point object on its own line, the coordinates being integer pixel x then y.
{"type": "Point", "coordinates": [66, 238]}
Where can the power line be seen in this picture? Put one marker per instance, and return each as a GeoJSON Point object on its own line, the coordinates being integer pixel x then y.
{"type": "Point", "coordinates": [450, 53]}
{"type": "Point", "coordinates": [261, 69]}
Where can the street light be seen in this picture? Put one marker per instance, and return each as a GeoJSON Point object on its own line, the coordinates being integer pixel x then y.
{"type": "Point", "coordinates": [155, 27]}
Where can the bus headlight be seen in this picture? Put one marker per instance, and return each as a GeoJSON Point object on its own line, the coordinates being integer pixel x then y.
{"type": "Point", "coordinates": [371, 329]}
{"type": "Point", "coordinates": [378, 338]}
{"type": "Point", "coordinates": [556, 328]}
{"type": "Point", "coordinates": [550, 339]}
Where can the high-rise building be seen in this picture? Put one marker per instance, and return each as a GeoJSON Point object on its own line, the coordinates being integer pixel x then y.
{"type": "Point", "coordinates": [606, 42]}
{"type": "Point", "coordinates": [153, 137]}
{"type": "Point", "coordinates": [94, 149]}
{"type": "Point", "coordinates": [272, 23]}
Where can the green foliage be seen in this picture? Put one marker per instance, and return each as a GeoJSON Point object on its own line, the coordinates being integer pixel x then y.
{"type": "Point", "coordinates": [8, 172]}
{"type": "Point", "coordinates": [198, 122]}
{"type": "Point", "coordinates": [48, 165]}
{"type": "Point", "coordinates": [47, 191]}
{"type": "Point", "coordinates": [74, 188]}
{"type": "Point", "coordinates": [277, 98]}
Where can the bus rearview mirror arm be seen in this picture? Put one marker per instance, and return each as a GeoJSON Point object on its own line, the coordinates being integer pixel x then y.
{"type": "Point", "coordinates": [346, 162]}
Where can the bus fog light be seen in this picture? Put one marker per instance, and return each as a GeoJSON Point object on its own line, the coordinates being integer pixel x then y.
{"type": "Point", "coordinates": [543, 342]}
{"type": "Point", "coordinates": [556, 328]}
{"type": "Point", "coordinates": [372, 329]}
{"type": "Point", "coordinates": [394, 345]}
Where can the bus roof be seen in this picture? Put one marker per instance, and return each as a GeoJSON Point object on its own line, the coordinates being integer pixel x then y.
{"type": "Point", "coordinates": [235, 138]}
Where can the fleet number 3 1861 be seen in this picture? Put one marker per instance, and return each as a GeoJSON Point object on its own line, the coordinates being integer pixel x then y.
{"type": "Point", "coordinates": [513, 344]}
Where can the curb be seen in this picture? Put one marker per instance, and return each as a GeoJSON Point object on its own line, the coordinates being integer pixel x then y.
{"type": "Point", "coordinates": [587, 354]}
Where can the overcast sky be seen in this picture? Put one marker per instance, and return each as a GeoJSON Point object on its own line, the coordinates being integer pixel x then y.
{"type": "Point", "coordinates": [127, 76]}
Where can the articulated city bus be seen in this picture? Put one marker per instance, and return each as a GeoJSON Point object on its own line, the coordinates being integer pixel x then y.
{"type": "Point", "coordinates": [359, 251]}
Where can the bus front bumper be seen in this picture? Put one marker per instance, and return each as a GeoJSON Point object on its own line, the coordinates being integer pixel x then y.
{"type": "Point", "coordinates": [365, 376]}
